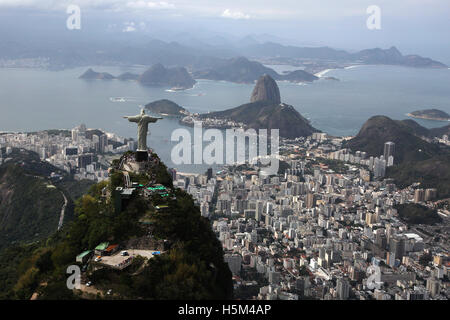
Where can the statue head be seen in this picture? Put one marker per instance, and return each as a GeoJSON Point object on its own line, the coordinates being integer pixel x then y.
{"type": "Point", "coordinates": [142, 111]}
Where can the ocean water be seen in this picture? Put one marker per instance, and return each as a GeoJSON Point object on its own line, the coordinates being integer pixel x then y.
{"type": "Point", "coordinates": [33, 99]}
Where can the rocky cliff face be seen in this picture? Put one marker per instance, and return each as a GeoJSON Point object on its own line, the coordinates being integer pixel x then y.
{"type": "Point", "coordinates": [266, 89]}
{"type": "Point", "coordinates": [288, 120]}
{"type": "Point", "coordinates": [265, 111]}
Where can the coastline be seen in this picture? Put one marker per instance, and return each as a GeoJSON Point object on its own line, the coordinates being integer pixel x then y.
{"type": "Point", "coordinates": [427, 118]}
{"type": "Point", "coordinates": [320, 74]}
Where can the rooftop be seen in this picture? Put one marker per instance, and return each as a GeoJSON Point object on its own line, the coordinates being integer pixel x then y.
{"type": "Point", "coordinates": [102, 246]}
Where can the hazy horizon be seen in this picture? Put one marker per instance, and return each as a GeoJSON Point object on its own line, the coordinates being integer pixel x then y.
{"type": "Point", "coordinates": [412, 26]}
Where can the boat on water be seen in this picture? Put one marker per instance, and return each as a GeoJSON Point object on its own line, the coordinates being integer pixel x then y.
{"type": "Point", "coordinates": [176, 89]}
{"type": "Point", "coordinates": [117, 99]}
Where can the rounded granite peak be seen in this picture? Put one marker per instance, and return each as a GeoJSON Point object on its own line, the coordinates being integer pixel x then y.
{"type": "Point", "coordinates": [266, 89]}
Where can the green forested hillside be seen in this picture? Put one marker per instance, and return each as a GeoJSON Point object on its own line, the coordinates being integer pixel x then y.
{"type": "Point", "coordinates": [380, 129]}
{"type": "Point", "coordinates": [192, 268]}
{"type": "Point", "coordinates": [416, 214]}
{"type": "Point", "coordinates": [29, 206]}
{"type": "Point", "coordinates": [431, 173]}
{"type": "Point", "coordinates": [415, 160]}
{"type": "Point", "coordinates": [165, 106]}
{"type": "Point", "coordinates": [30, 201]}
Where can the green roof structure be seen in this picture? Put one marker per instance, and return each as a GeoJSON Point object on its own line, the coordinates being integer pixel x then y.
{"type": "Point", "coordinates": [156, 188]}
{"type": "Point", "coordinates": [102, 246]}
{"type": "Point", "coordinates": [83, 254]}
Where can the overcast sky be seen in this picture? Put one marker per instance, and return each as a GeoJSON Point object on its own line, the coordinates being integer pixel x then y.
{"type": "Point", "coordinates": [250, 9]}
{"type": "Point", "coordinates": [415, 26]}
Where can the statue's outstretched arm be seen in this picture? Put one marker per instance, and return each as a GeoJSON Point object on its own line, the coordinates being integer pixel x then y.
{"type": "Point", "coordinates": [132, 119]}
{"type": "Point", "coordinates": [152, 119]}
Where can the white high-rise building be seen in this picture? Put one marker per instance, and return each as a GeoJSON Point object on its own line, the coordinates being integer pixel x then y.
{"type": "Point", "coordinates": [75, 135]}
{"type": "Point", "coordinates": [204, 209]}
{"type": "Point", "coordinates": [259, 210]}
{"type": "Point", "coordinates": [389, 149]}
{"type": "Point", "coordinates": [269, 208]}
{"type": "Point", "coordinates": [390, 162]}
{"type": "Point", "coordinates": [379, 168]}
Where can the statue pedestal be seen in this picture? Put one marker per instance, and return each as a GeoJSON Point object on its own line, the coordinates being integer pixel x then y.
{"type": "Point", "coordinates": [141, 155]}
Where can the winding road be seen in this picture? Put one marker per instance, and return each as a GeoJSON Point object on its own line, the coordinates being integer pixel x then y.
{"type": "Point", "coordinates": [63, 210]}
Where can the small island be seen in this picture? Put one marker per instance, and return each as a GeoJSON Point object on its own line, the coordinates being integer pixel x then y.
{"type": "Point", "coordinates": [177, 78]}
{"type": "Point", "coordinates": [430, 114]}
{"type": "Point", "coordinates": [93, 75]}
{"type": "Point", "coordinates": [166, 107]}
{"type": "Point", "coordinates": [331, 78]}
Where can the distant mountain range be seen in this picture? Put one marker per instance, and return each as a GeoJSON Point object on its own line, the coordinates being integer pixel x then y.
{"type": "Point", "coordinates": [233, 63]}
{"type": "Point", "coordinates": [210, 62]}
{"type": "Point", "coordinates": [157, 75]}
{"type": "Point", "coordinates": [242, 70]}
{"type": "Point", "coordinates": [197, 55]}
{"type": "Point", "coordinates": [394, 57]}
{"type": "Point", "coordinates": [265, 111]}
{"type": "Point", "coordinates": [391, 56]}
{"type": "Point", "coordinates": [238, 70]}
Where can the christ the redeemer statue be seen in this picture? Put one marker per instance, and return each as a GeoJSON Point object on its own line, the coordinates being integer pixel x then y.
{"type": "Point", "coordinates": [142, 121]}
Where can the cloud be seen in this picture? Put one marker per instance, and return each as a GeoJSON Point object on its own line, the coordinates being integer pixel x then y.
{"type": "Point", "coordinates": [114, 5]}
{"type": "Point", "coordinates": [149, 5]}
{"type": "Point", "coordinates": [294, 10]}
{"type": "Point", "coordinates": [129, 27]}
{"type": "Point", "coordinates": [17, 3]}
{"type": "Point", "coordinates": [235, 14]}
